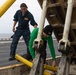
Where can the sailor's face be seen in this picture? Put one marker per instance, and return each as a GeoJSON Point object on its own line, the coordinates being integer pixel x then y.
{"type": "Point", "coordinates": [45, 35]}
{"type": "Point", "coordinates": [23, 9]}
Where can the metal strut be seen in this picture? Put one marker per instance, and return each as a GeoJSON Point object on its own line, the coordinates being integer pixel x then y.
{"type": "Point", "coordinates": [37, 68]}
{"type": "Point", "coordinates": [64, 43]}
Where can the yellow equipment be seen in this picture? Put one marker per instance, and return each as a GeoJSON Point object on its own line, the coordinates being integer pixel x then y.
{"type": "Point", "coordinates": [30, 64]}
{"type": "Point", "coordinates": [5, 6]}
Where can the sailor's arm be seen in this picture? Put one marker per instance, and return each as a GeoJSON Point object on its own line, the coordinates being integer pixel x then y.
{"type": "Point", "coordinates": [32, 38]}
{"type": "Point", "coordinates": [51, 46]}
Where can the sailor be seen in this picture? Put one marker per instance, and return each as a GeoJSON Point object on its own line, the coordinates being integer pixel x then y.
{"type": "Point", "coordinates": [23, 17]}
{"type": "Point", "coordinates": [47, 38]}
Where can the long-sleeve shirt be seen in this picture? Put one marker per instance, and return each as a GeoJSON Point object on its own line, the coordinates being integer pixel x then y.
{"type": "Point", "coordinates": [49, 40]}
{"type": "Point", "coordinates": [23, 20]}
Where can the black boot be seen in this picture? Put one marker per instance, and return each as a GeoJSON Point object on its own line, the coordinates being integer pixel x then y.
{"type": "Point", "coordinates": [28, 55]}
{"type": "Point", "coordinates": [11, 58]}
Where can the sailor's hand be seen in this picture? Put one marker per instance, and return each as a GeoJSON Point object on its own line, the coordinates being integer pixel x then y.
{"type": "Point", "coordinates": [54, 63]}
{"type": "Point", "coordinates": [35, 26]}
{"type": "Point", "coordinates": [13, 29]}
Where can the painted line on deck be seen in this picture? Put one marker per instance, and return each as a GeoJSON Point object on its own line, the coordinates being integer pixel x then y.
{"type": "Point", "coordinates": [6, 42]}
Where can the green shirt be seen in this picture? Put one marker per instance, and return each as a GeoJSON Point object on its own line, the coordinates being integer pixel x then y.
{"type": "Point", "coordinates": [33, 36]}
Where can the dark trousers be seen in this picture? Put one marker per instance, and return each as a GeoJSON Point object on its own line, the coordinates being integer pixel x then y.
{"type": "Point", "coordinates": [43, 52]}
{"type": "Point", "coordinates": [16, 37]}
